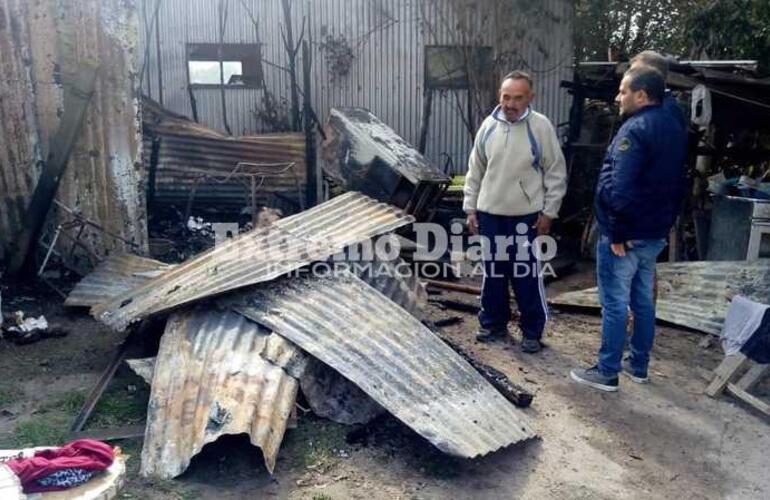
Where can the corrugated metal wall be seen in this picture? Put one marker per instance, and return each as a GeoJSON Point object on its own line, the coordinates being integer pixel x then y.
{"type": "Point", "coordinates": [19, 141]}
{"type": "Point", "coordinates": [387, 37]}
{"type": "Point", "coordinates": [42, 43]}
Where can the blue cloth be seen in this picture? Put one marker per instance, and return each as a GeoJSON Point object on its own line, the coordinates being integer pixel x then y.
{"type": "Point", "coordinates": [623, 282]}
{"type": "Point", "coordinates": [522, 274]}
{"type": "Point", "coordinates": [642, 180]}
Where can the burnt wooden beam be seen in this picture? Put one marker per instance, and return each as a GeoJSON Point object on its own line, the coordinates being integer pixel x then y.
{"type": "Point", "coordinates": [510, 391]}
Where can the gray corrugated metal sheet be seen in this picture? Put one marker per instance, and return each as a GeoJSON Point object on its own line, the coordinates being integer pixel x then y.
{"type": "Point", "coordinates": [695, 294]}
{"type": "Point", "coordinates": [212, 377]}
{"type": "Point", "coordinates": [387, 39]}
{"type": "Point", "coordinates": [392, 357]}
{"type": "Point", "coordinates": [114, 276]}
{"type": "Point", "coordinates": [41, 44]}
{"type": "Point", "coordinates": [259, 255]}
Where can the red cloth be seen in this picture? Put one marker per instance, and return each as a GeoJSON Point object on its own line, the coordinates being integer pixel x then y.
{"type": "Point", "coordinates": [80, 454]}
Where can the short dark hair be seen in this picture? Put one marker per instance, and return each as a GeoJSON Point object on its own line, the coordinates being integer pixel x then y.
{"type": "Point", "coordinates": [518, 75]}
{"type": "Point", "coordinates": [647, 79]}
{"type": "Point", "coordinates": [654, 60]}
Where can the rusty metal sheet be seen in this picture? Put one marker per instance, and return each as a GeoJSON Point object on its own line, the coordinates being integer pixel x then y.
{"type": "Point", "coordinates": [112, 277]}
{"type": "Point", "coordinates": [695, 294]}
{"type": "Point", "coordinates": [217, 373]}
{"type": "Point", "coordinates": [20, 155]}
{"type": "Point", "coordinates": [392, 357]}
{"type": "Point", "coordinates": [41, 44]}
{"type": "Point", "coordinates": [207, 165]}
{"type": "Point", "coordinates": [259, 255]}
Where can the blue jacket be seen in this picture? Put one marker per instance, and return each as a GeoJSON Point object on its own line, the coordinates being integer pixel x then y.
{"type": "Point", "coordinates": [642, 181]}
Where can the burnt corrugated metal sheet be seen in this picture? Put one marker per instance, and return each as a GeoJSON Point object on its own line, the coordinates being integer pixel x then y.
{"type": "Point", "coordinates": [217, 373]}
{"type": "Point", "coordinates": [209, 166]}
{"type": "Point", "coordinates": [20, 154]}
{"type": "Point", "coordinates": [41, 45]}
{"type": "Point", "coordinates": [396, 280]}
{"type": "Point", "coordinates": [368, 139]}
{"type": "Point", "coordinates": [392, 357]}
{"type": "Point", "coordinates": [695, 294]}
{"type": "Point", "coordinates": [114, 276]}
{"type": "Point", "coordinates": [387, 40]}
{"type": "Point", "coordinates": [259, 255]}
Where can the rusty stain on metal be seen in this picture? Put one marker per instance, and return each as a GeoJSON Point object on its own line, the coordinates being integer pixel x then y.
{"type": "Point", "coordinates": [259, 255]}
{"type": "Point", "coordinates": [217, 373]}
{"type": "Point", "coordinates": [392, 357]}
{"type": "Point", "coordinates": [112, 277]}
{"type": "Point", "coordinates": [694, 294]}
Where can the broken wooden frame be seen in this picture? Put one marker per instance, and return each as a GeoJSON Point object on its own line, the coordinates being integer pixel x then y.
{"type": "Point", "coordinates": [727, 370]}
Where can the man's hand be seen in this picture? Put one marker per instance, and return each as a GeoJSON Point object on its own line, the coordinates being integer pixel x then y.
{"type": "Point", "coordinates": [618, 249]}
{"type": "Point", "coordinates": [543, 224]}
{"type": "Point", "coordinates": [473, 223]}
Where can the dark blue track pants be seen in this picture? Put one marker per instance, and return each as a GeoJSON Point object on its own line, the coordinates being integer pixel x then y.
{"type": "Point", "coordinates": [508, 267]}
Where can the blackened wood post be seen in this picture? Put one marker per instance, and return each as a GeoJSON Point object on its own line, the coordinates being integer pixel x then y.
{"type": "Point", "coordinates": [427, 108]}
{"type": "Point", "coordinates": [307, 111]}
{"type": "Point", "coordinates": [77, 95]}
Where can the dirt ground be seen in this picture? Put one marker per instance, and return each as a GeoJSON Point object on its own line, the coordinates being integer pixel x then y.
{"type": "Point", "coordinates": [662, 440]}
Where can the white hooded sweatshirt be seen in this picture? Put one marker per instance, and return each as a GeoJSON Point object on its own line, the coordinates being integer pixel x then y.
{"type": "Point", "coordinates": [515, 168]}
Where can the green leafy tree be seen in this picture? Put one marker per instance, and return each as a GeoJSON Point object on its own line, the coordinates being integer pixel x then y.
{"type": "Point", "coordinates": [731, 29]}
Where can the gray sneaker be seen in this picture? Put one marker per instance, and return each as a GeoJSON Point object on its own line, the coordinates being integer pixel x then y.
{"type": "Point", "coordinates": [640, 377]}
{"type": "Point", "coordinates": [531, 346]}
{"type": "Point", "coordinates": [592, 377]}
{"type": "Point", "coordinates": [490, 334]}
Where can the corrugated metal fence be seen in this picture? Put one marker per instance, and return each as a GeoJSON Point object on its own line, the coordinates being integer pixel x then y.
{"type": "Point", "coordinates": [387, 39]}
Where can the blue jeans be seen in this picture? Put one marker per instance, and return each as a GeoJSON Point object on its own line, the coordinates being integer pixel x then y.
{"type": "Point", "coordinates": [524, 276]}
{"type": "Point", "coordinates": [623, 282]}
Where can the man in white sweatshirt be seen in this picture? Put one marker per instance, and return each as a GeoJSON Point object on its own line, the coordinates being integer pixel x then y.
{"type": "Point", "coordinates": [515, 183]}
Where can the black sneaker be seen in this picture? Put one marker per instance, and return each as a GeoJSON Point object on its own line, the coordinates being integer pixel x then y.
{"type": "Point", "coordinates": [638, 376]}
{"type": "Point", "coordinates": [490, 334]}
{"type": "Point", "coordinates": [531, 346]}
{"type": "Point", "coordinates": [592, 377]}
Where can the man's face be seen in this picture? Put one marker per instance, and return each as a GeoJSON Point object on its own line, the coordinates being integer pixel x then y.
{"type": "Point", "coordinates": [515, 96]}
{"type": "Point", "coordinates": [629, 101]}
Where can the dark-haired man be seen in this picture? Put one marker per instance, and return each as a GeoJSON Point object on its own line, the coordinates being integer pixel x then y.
{"type": "Point", "coordinates": [516, 180]}
{"type": "Point", "coordinates": [659, 62]}
{"type": "Point", "coordinates": [637, 200]}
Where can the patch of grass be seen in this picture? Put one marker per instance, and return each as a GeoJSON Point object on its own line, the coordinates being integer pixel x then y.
{"type": "Point", "coordinates": [120, 407]}
{"type": "Point", "coordinates": [9, 396]}
{"type": "Point", "coordinates": [315, 441]}
{"type": "Point", "coordinates": [42, 430]}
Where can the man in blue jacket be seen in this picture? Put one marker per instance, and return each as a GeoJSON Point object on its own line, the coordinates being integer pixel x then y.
{"type": "Point", "coordinates": [638, 196]}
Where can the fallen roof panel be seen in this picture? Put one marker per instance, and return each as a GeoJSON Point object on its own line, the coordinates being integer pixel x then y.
{"type": "Point", "coordinates": [259, 255]}
{"type": "Point", "coordinates": [392, 357]}
{"type": "Point", "coordinates": [217, 373]}
{"type": "Point", "coordinates": [695, 294]}
{"type": "Point", "coordinates": [112, 277]}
